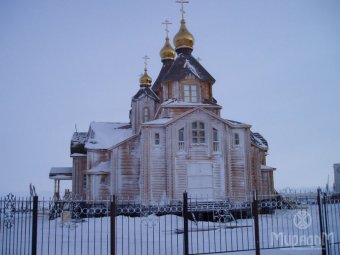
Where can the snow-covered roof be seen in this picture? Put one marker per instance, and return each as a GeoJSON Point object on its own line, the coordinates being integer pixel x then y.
{"type": "Point", "coordinates": [184, 65]}
{"type": "Point", "coordinates": [191, 68]}
{"type": "Point", "coordinates": [258, 140]}
{"type": "Point", "coordinates": [263, 140]}
{"type": "Point", "coordinates": [158, 121]}
{"type": "Point", "coordinates": [60, 171]}
{"type": "Point", "coordinates": [147, 92]}
{"type": "Point", "coordinates": [267, 168]}
{"type": "Point", "coordinates": [175, 102]}
{"type": "Point", "coordinates": [166, 65]}
{"type": "Point", "coordinates": [78, 155]}
{"type": "Point", "coordinates": [78, 141]}
{"type": "Point", "coordinates": [104, 135]}
{"type": "Point", "coordinates": [101, 167]}
{"type": "Point", "coordinates": [60, 177]}
{"type": "Point", "coordinates": [236, 122]}
{"type": "Point", "coordinates": [79, 137]}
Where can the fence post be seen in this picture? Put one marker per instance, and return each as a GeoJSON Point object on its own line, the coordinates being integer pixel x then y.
{"type": "Point", "coordinates": [325, 199]}
{"type": "Point", "coordinates": [35, 225]}
{"type": "Point", "coordinates": [255, 209]}
{"type": "Point", "coordinates": [185, 224]}
{"type": "Point", "coordinates": [322, 231]}
{"type": "Point", "coordinates": [113, 225]}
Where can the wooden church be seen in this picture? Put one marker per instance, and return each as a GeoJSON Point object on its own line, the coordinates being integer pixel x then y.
{"type": "Point", "coordinates": [176, 141]}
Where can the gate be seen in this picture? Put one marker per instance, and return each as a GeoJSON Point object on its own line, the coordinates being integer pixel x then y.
{"type": "Point", "coordinates": [219, 226]}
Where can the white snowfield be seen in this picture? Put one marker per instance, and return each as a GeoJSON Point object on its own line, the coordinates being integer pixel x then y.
{"type": "Point", "coordinates": [164, 235]}
{"type": "Point", "coordinates": [297, 229]}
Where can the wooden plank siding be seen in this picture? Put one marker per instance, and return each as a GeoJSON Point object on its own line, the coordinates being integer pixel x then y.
{"type": "Point", "coordinates": [94, 157]}
{"type": "Point", "coordinates": [238, 164]}
{"type": "Point", "coordinates": [158, 178]}
{"type": "Point", "coordinates": [79, 167]}
{"type": "Point", "coordinates": [126, 165]}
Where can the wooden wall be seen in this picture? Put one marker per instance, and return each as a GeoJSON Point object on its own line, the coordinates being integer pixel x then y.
{"type": "Point", "coordinates": [94, 157]}
{"type": "Point", "coordinates": [79, 167]}
{"type": "Point", "coordinates": [164, 168]}
{"type": "Point", "coordinates": [125, 176]}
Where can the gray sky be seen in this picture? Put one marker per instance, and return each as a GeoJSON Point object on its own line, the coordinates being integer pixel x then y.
{"type": "Point", "coordinates": [276, 65]}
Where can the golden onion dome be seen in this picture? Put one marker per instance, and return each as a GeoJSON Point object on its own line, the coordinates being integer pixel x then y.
{"type": "Point", "coordinates": [184, 39]}
{"type": "Point", "coordinates": [145, 80]}
{"type": "Point", "coordinates": [167, 52]}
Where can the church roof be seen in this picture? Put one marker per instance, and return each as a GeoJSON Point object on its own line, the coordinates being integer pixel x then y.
{"type": "Point", "coordinates": [78, 141]}
{"type": "Point", "coordinates": [236, 122]}
{"type": "Point", "coordinates": [146, 91]}
{"type": "Point", "coordinates": [173, 102]}
{"type": "Point", "coordinates": [104, 135]}
{"type": "Point", "coordinates": [258, 140]}
{"type": "Point", "coordinates": [158, 121]}
{"type": "Point", "coordinates": [267, 168]}
{"type": "Point", "coordinates": [263, 140]}
{"type": "Point", "coordinates": [61, 173]}
{"type": "Point", "coordinates": [184, 65]}
{"type": "Point", "coordinates": [165, 68]}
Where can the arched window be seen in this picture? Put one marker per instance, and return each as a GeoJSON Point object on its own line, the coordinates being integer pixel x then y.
{"type": "Point", "coordinates": [103, 179]}
{"type": "Point", "coordinates": [146, 114]}
{"type": "Point", "coordinates": [197, 132]}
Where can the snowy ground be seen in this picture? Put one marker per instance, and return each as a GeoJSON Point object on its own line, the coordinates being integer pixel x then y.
{"type": "Point", "coordinates": [164, 235]}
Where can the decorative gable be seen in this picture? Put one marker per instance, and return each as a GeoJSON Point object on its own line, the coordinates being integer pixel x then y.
{"type": "Point", "coordinates": [145, 91]}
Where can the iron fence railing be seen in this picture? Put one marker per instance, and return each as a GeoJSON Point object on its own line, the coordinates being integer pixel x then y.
{"type": "Point", "coordinates": [190, 226]}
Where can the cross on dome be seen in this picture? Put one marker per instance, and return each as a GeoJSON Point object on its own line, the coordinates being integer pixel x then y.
{"type": "Point", "coordinates": [167, 23]}
{"type": "Point", "coordinates": [183, 39]}
{"type": "Point", "coordinates": [145, 80]}
{"type": "Point", "coordinates": [145, 61]}
{"type": "Point", "coordinates": [182, 2]}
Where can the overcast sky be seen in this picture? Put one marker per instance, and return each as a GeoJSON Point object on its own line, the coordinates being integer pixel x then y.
{"type": "Point", "coordinates": [67, 62]}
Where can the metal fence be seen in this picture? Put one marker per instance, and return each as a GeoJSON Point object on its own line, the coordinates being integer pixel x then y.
{"type": "Point", "coordinates": [190, 226]}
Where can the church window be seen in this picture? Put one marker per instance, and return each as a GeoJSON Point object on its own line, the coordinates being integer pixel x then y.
{"type": "Point", "coordinates": [216, 143]}
{"type": "Point", "coordinates": [190, 93]}
{"type": "Point", "coordinates": [236, 139]}
{"type": "Point", "coordinates": [146, 115]}
{"type": "Point", "coordinates": [157, 139]}
{"type": "Point", "coordinates": [103, 180]}
{"type": "Point", "coordinates": [198, 132]}
{"type": "Point", "coordinates": [181, 139]}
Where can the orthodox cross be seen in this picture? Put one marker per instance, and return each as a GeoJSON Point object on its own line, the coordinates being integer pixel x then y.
{"type": "Point", "coordinates": [182, 2]}
{"type": "Point", "coordinates": [145, 60]}
{"type": "Point", "coordinates": [167, 23]}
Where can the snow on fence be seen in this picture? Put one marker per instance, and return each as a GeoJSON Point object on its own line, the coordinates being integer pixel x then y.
{"type": "Point", "coordinates": [308, 221]}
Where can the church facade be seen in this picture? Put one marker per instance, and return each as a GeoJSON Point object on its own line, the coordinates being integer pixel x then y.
{"type": "Point", "coordinates": [176, 141]}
